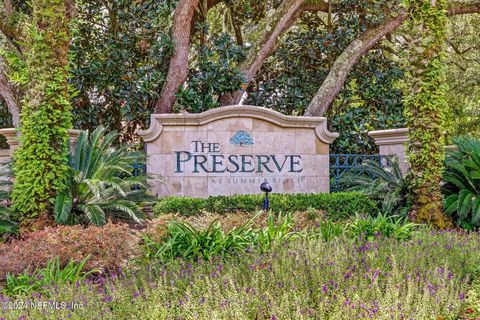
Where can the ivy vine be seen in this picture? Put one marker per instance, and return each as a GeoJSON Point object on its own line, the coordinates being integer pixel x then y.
{"type": "Point", "coordinates": [41, 160]}
{"type": "Point", "coordinates": [425, 105]}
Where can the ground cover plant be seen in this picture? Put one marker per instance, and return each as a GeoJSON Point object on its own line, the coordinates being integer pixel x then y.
{"type": "Point", "coordinates": [425, 277]}
{"type": "Point", "coordinates": [40, 279]}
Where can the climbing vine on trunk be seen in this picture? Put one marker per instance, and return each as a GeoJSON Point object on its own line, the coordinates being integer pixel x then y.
{"type": "Point", "coordinates": [425, 105]}
{"type": "Point", "coordinates": [41, 161]}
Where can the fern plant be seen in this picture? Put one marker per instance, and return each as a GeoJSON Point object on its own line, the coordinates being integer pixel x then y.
{"type": "Point", "coordinates": [462, 177]}
{"type": "Point", "coordinates": [100, 182]}
{"type": "Point", "coordinates": [386, 185]}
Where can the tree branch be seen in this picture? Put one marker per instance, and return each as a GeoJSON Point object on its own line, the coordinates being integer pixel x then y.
{"type": "Point", "coordinates": [275, 26]}
{"type": "Point", "coordinates": [342, 66]}
{"type": "Point", "coordinates": [459, 7]}
{"type": "Point", "coordinates": [8, 7]}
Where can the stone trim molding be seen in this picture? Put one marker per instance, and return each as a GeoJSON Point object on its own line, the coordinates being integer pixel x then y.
{"type": "Point", "coordinates": [13, 135]}
{"type": "Point", "coordinates": [237, 111]}
{"type": "Point", "coordinates": [390, 136]}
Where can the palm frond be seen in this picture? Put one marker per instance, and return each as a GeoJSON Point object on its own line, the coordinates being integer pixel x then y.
{"type": "Point", "coordinates": [462, 182]}
{"type": "Point", "coordinates": [101, 181]}
{"type": "Point", "coordinates": [383, 183]}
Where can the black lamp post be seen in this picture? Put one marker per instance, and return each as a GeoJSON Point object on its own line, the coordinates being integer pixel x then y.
{"type": "Point", "coordinates": [267, 188]}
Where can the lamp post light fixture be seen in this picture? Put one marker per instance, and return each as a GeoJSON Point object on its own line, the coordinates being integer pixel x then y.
{"type": "Point", "coordinates": [267, 188]}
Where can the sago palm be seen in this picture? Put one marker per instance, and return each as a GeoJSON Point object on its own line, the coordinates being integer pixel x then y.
{"type": "Point", "coordinates": [385, 184]}
{"type": "Point", "coordinates": [462, 177]}
{"type": "Point", "coordinates": [100, 182]}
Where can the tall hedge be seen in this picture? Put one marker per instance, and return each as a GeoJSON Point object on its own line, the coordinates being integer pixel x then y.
{"type": "Point", "coordinates": [41, 161]}
{"type": "Point", "coordinates": [425, 106]}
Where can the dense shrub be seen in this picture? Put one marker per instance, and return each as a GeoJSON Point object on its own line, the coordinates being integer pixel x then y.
{"type": "Point", "coordinates": [335, 205]}
{"type": "Point", "coordinates": [384, 225]}
{"type": "Point", "coordinates": [181, 239]}
{"type": "Point", "coordinates": [110, 247]}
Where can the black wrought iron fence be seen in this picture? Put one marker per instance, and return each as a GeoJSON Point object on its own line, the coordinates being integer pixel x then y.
{"type": "Point", "coordinates": [341, 164]}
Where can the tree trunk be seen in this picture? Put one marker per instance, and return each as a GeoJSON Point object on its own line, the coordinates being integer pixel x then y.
{"type": "Point", "coordinates": [425, 105]}
{"type": "Point", "coordinates": [332, 85]}
{"type": "Point", "coordinates": [41, 165]}
{"type": "Point", "coordinates": [8, 94]}
{"type": "Point", "coordinates": [178, 69]}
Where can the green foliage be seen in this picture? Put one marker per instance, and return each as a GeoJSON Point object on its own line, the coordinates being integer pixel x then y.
{"type": "Point", "coordinates": [472, 308]}
{"type": "Point", "coordinates": [100, 182]}
{"type": "Point", "coordinates": [364, 228]}
{"type": "Point", "coordinates": [462, 174]}
{"type": "Point", "coordinates": [39, 280]}
{"type": "Point", "coordinates": [425, 106]}
{"type": "Point", "coordinates": [5, 122]}
{"type": "Point", "coordinates": [370, 99]}
{"type": "Point", "coordinates": [184, 241]}
{"type": "Point", "coordinates": [463, 95]}
{"type": "Point", "coordinates": [383, 225]}
{"type": "Point", "coordinates": [278, 230]}
{"type": "Point", "coordinates": [213, 75]}
{"type": "Point", "coordinates": [328, 230]}
{"type": "Point", "coordinates": [335, 205]}
{"type": "Point", "coordinates": [385, 184]}
{"type": "Point", "coordinates": [185, 206]}
{"type": "Point", "coordinates": [119, 60]}
{"type": "Point", "coordinates": [41, 160]}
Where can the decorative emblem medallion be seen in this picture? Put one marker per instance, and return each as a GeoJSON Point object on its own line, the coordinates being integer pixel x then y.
{"type": "Point", "coordinates": [241, 138]}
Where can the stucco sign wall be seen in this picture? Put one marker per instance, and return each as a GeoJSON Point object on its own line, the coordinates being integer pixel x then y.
{"type": "Point", "coordinates": [232, 150]}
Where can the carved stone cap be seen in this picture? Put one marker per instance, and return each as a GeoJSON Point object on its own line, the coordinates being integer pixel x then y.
{"type": "Point", "coordinates": [12, 135]}
{"type": "Point", "coordinates": [390, 136]}
{"type": "Point", "coordinates": [198, 119]}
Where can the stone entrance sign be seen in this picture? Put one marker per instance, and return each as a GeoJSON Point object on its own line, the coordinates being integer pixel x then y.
{"type": "Point", "coordinates": [232, 150]}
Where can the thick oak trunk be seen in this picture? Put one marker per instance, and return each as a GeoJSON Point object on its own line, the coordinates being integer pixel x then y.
{"type": "Point", "coordinates": [9, 97]}
{"type": "Point", "coordinates": [178, 69]}
{"type": "Point", "coordinates": [342, 66]}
